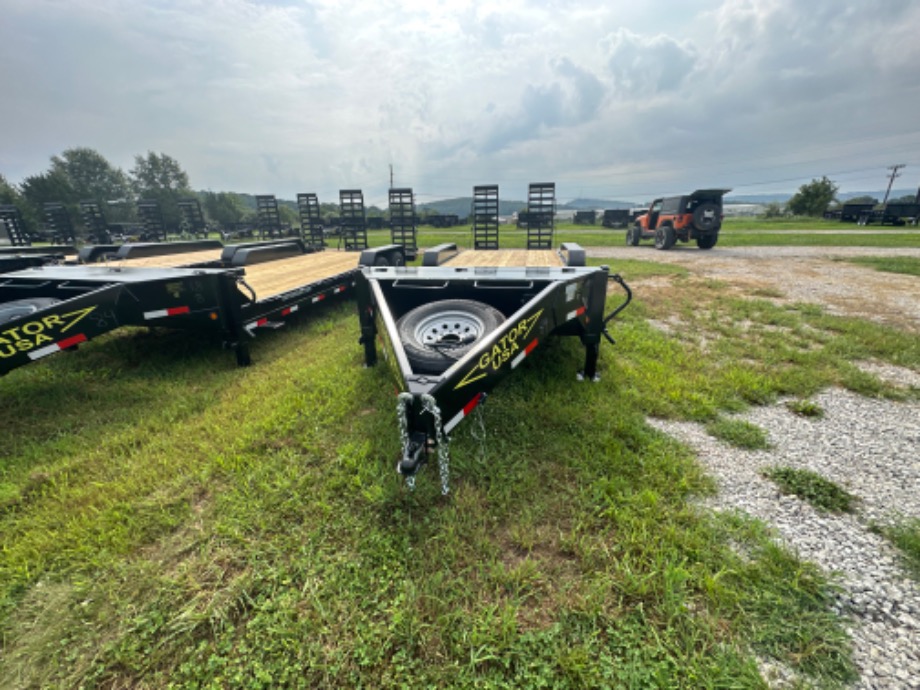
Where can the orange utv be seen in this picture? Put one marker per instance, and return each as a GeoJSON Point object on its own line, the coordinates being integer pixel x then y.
{"type": "Point", "coordinates": [696, 216]}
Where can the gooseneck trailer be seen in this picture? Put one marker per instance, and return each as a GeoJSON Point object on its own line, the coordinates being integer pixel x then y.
{"type": "Point", "coordinates": [231, 291]}
{"type": "Point", "coordinates": [452, 329]}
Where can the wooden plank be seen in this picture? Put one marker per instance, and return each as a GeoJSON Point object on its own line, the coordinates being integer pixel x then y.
{"type": "Point", "coordinates": [276, 277]}
{"type": "Point", "coordinates": [500, 258]}
{"type": "Point", "coordinates": [174, 260]}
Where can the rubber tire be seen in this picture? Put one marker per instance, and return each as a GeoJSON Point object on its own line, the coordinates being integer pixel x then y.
{"type": "Point", "coordinates": [633, 235]}
{"type": "Point", "coordinates": [426, 359]}
{"type": "Point", "coordinates": [707, 241]}
{"type": "Point", "coordinates": [665, 237]}
{"type": "Point", "coordinates": [701, 222]}
{"type": "Point", "coordinates": [20, 308]}
{"type": "Point", "coordinates": [381, 261]}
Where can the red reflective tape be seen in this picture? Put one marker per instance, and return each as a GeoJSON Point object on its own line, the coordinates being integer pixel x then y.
{"type": "Point", "coordinates": [580, 311]}
{"type": "Point", "coordinates": [175, 311]}
{"type": "Point", "coordinates": [262, 322]}
{"type": "Point", "coordinates": [319, 297]}
{"type": "Point", "coordinates": [471, 405]}
{"type": "Point", "coordinates": [70, 342]}
{"type": "Point", "coordinates": [530, 348]}
{"type": "Point", "coordinates": [285, 312]}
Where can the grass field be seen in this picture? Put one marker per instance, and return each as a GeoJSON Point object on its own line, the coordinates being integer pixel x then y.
{"type": "Point", "coordinates": [168, 519]}
{"type": "Point", "coordinates": [736, 232]}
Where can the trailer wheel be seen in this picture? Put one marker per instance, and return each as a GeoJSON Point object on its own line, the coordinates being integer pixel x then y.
{"type": "Point", "coordinates": [17, 309]}
{"type": "Point", "coordinates": [665, 237]}
{"type": "Point", "coordinates": [437, 334]}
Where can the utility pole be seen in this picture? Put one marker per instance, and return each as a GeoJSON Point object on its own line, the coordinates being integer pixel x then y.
{"type": "Point", "coordinates": [894, 173]}
{"type": "Point", "coordinates": [391, 176]}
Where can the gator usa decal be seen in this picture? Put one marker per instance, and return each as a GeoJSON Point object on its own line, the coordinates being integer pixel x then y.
{"type": "Point", "coordinates": [38, 333]}
{"type": "Point", "coordinates": [504, 349]}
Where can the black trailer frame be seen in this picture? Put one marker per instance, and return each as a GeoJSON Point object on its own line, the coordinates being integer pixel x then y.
{"type": "Point", "coordinates": [536, 302]}
{"type": "Point", "coordinates": [46, 309]}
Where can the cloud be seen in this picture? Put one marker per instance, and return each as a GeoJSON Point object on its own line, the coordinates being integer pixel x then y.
{"type": "Point", "coordinates": [610, 97]}
{"type": "Point", "coordinates": [643, 66]}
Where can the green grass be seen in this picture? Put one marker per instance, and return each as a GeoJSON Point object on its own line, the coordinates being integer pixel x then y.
{"type": "Point", "coordinates": [166, 517]}
{"type": "Point", "coordinates": [805, 408]}
{"type": "Point", "coordinates": [894, 264]}
{"type": "Point", "coordinates": [906, 537]}
{"type": "Point", "coordinates": [738, 433]}
{"type": "Point", "coordinates": [821, 493]}
{"type": "Point", "coordinates": [736, 232]}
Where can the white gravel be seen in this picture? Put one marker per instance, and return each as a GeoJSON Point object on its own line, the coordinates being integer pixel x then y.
{"type": "Point", "coordinates": [872, 448]}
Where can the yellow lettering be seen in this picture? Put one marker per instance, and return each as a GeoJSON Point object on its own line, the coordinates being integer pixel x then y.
{"type": "Point", "coordinates": [52, 320]}
{"type": "Point", "coordinates": [7, 351]}
{"type": "Point", "coordinates": [33, 328]}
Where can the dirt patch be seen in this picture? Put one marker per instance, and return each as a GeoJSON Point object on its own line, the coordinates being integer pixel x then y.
{"type": "Point", "coordinates": [797, 274]}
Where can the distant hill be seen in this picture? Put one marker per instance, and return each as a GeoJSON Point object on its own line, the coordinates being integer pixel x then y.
{"type": "Point", "coordinates": [460, 206]}
{"type": "Point", "coordinates": [594, 204]}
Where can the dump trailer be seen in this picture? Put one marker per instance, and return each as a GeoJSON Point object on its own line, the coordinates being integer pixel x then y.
{"type": "Point", "coordinates": [616, 218]}
{"type": "Point", "coordinates": [896, 213]}
{"type": "Point", "coordinates": [452, 329]}
{"type": "Point", "coordinates": [585, 218]}
{"type": "Point", "coordinates": [231, 291]}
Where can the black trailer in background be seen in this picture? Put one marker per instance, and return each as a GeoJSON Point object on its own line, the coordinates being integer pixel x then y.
{"type": "Point", "coordinates": [230, 291]}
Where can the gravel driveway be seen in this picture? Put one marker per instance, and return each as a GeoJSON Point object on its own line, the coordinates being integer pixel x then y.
{"type": "Point", "coordinates": [869, 446]}
{"type": "Point", "coordinates": [803, 274]}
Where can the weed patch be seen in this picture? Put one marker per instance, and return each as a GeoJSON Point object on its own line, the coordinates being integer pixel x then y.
{"type": "Point", "coordinates": [738, 433]}
{"type": "Point", "coordinates": [821, 493]}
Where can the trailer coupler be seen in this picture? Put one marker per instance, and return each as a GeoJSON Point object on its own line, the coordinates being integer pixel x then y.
{"type": "Point", "coordinates": [415, 454]}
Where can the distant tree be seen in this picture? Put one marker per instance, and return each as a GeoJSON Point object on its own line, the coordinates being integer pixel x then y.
{"type": "Point", "coordinates": [813, 198]}
{"type": "Point", "coordinates": [224, 208]}
{"type": "Point", "coordinates": [8, 193]}
{"type": "Point", "coordinates": [48, 186]}
{"type": "Point", "coordinates": [865, 199]}
{"type": "Point", "coordinates": [90, 175]}
{"type": "Point", "coordinates": [773, 210]}
{"type": "Point", "coordinates": [161, 178]}
{"type": "Point", "coordinates": [906, 199]}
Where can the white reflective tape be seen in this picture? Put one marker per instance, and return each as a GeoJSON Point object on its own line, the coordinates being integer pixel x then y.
{"type": "Point", "coordinates": [454, 421]}
{"type": "Point", "coordinates": [44, 351]}
{"type": "Point", "coordinates": [158, 314]}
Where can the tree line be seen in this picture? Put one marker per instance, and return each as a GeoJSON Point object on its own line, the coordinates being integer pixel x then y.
{"type": "Point", "coordinates": [83, 174]}
{"type": "Point", "coordinates": [816, 197]}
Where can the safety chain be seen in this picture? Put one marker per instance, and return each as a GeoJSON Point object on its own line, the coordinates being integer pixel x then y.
{"type": "Point", "coordinates": [478, 432]}
{"type": "Point", "coordinates": [430, 406]}
{"type": "Point", "coordinates": [403, 401]}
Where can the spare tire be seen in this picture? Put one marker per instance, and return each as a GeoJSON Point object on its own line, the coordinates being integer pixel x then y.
{"type": "Point", "coordinates": [20, 308]}
{"type": "Point", "coordinates": [437, 334]}
{"type": "Point", "coordinates": [707, 216]}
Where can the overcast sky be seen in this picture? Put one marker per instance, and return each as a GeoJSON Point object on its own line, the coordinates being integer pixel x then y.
{"type": "Point", "coordinates": [609, 99]}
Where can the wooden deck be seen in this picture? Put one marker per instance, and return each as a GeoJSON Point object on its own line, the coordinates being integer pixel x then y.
{"type": "Point", "coordinates": [507, 257]}
{"type": "Point", "coordinates": [175, 260]}
{"type": "Point", "coordinates": [275, 277]}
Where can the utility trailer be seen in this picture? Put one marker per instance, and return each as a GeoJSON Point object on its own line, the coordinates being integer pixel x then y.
{"type": "Point", "coordinates": [455, 327]}
{"type": "Point", "coordinates": [585, 218]}
{"type": "Point", "coordinates": [229, 291]}
{"type": "Point", "coordinates": [616, 218]}
{"type": "Point", "coordinates": [152, 219]}
{"type": "Point", "coordinates": [14, 228]}
{"type": "Point", "coordinates": [896, 213]}
{"type": "Point", "coordinates": [57, 218]}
